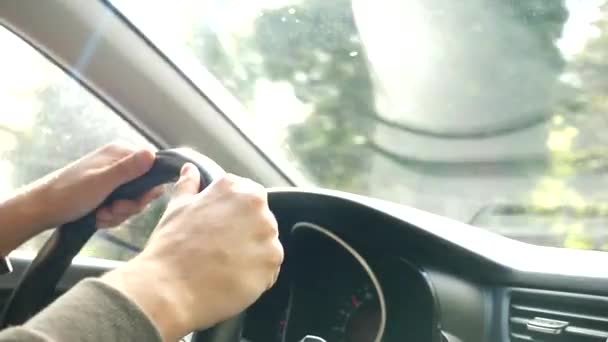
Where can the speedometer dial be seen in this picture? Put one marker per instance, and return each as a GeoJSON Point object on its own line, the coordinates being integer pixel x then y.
{"type": "Point", "coordinates": [336, 294]}
{"type": "Point", "coordinates": [358, 317]}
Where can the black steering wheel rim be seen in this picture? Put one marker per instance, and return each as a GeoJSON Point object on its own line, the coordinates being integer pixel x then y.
{"type": "Point", "coordinates": [38, 283]}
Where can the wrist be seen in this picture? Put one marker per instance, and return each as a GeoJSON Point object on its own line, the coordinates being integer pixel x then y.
{"type": "Point", "coordinates": [154, 292]}
{"type": "Point", "coordinates": [22, 216]}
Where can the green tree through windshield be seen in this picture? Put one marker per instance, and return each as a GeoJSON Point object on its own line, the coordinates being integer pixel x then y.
{"type": "Point", "coordinates": [492, 113]}
{"type": "Point", "coordinates": [518, 71]}
{"type": "Point", "coordinates": [320, 53]}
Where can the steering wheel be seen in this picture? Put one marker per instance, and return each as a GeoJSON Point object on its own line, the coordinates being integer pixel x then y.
{"type": "Point", "coordinates": [37, 285]}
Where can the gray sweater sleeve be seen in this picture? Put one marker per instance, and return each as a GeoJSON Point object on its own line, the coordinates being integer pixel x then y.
{"type": "Point", "coordinates": [91, 311]}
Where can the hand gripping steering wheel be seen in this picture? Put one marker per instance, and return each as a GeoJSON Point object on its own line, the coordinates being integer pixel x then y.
{"type": "Point", "coordinates": [38, 284]}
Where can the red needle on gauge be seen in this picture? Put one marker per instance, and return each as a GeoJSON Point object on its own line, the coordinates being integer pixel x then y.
{"type": "Point", "coordinates": [355, 301]}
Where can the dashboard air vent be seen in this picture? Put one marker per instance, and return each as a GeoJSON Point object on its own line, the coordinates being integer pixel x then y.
{"type": "Point", "coordinates": [556, 316]}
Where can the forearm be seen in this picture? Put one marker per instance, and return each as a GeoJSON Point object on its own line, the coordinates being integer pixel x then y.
{"type": "Point", "coordinates": [21, 218]}
{"type": "Point", "coordinates": [90, 312]}
{"type": "Point", "coordinates": [147, 284]}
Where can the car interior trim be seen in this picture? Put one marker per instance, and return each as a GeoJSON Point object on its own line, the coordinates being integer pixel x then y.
{"type": "Point", "coordinates": [148, 90]}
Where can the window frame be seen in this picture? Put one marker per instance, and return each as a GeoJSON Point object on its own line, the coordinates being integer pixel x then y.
{"type": "Point", "coordinates": [201, 122]}
{"type": "Point", "coordinates": [5, 263]}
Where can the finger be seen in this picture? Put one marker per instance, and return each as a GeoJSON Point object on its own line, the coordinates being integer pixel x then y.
{"type": "Point", "coordinates": [256, 194]}
{"type": "Point", "coordinates": [247, 185]}
{"type": "Point", "coordinates": [188, 183]}
{"type": "Point", "coordinates": [106, 219]}
{"type": "Point", "coordinates": [150, 196]}
{"type": "Point", "coordinates": [125, 207]}
{"type": "Point", "coordinates": [119, 148]}
{"type": "Point", "coordinates": [128, 168]}
{"type": "Point", "coordinates": [104, 225]}
{"type": "Point", "coordinates": [104, 214]}
{"type": "Point", "coordinates": [119, 210]}
{"type": "Point", "coordinates": [128, 208]}
{"type": "Point", "coordinates": [116, 221]}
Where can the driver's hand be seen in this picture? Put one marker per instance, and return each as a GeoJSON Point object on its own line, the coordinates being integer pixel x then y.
{"type": "Point", "coordinates": [71, 192]}
{"type": "Point", "coordinates": [211, 256]}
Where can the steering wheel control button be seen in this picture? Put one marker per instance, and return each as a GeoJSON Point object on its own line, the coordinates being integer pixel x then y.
{"type": "Point", "coordinates": [312, 338]}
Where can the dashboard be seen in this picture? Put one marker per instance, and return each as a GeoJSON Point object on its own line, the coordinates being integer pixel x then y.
{"type": "Point", "coordinates": [341, 295]}
{"type": "Point", "coordinates": [358, 269]}
{"type": "Point", "coordinates": [362, 270]}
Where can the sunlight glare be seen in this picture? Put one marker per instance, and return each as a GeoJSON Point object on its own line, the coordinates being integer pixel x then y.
{"type": "Point", "coordinates": [19, 90]}
{"type": "Point", "coordinates": [6, 173]}
{"type": "Point", "coordinates": [276, 107]}
{"type": "Point", "coordinates": [403, 66]}
{"type": "Point", "coordinates": [579, 28]}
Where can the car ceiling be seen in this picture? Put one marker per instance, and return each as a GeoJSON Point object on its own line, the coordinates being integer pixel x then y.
{"type": "Point", "coordinates": [102, 50]}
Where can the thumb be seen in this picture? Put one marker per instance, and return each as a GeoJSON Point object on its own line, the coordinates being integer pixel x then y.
{"type": "Point", "coordinates": [129, 167]}
{"type": "Point", "coordinates": [188, 182]}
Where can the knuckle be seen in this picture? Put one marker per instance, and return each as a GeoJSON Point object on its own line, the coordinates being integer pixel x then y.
{"type": "Point", "coordinates": [113, 146]}
{"type": "Point", "coordinates": [116, 147]}
{"type": "Point", "coordinates": [254, 185]}
{"type": "Point", "coordinates": [267, 229]}
{"type": "Point", "coordinates": [231, 178]}
{"type": "Point", "coordinates": [227, 181]}
{"type": "Point", "coordinates": [272, 223]}
{"type": "Point", "coordinates": [256, 199]}
{"type": "Point", "coordinates": [277, 253]}
{"type": "Point", "coordinates": [255, 193]}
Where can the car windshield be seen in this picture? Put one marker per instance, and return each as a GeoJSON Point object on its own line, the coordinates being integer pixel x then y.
{"type": "Point", "coordinates": [489, 112]}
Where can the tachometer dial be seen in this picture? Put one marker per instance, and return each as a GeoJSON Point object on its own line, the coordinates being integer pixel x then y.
{"type": "Point", "coordinates": [358, 317]}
